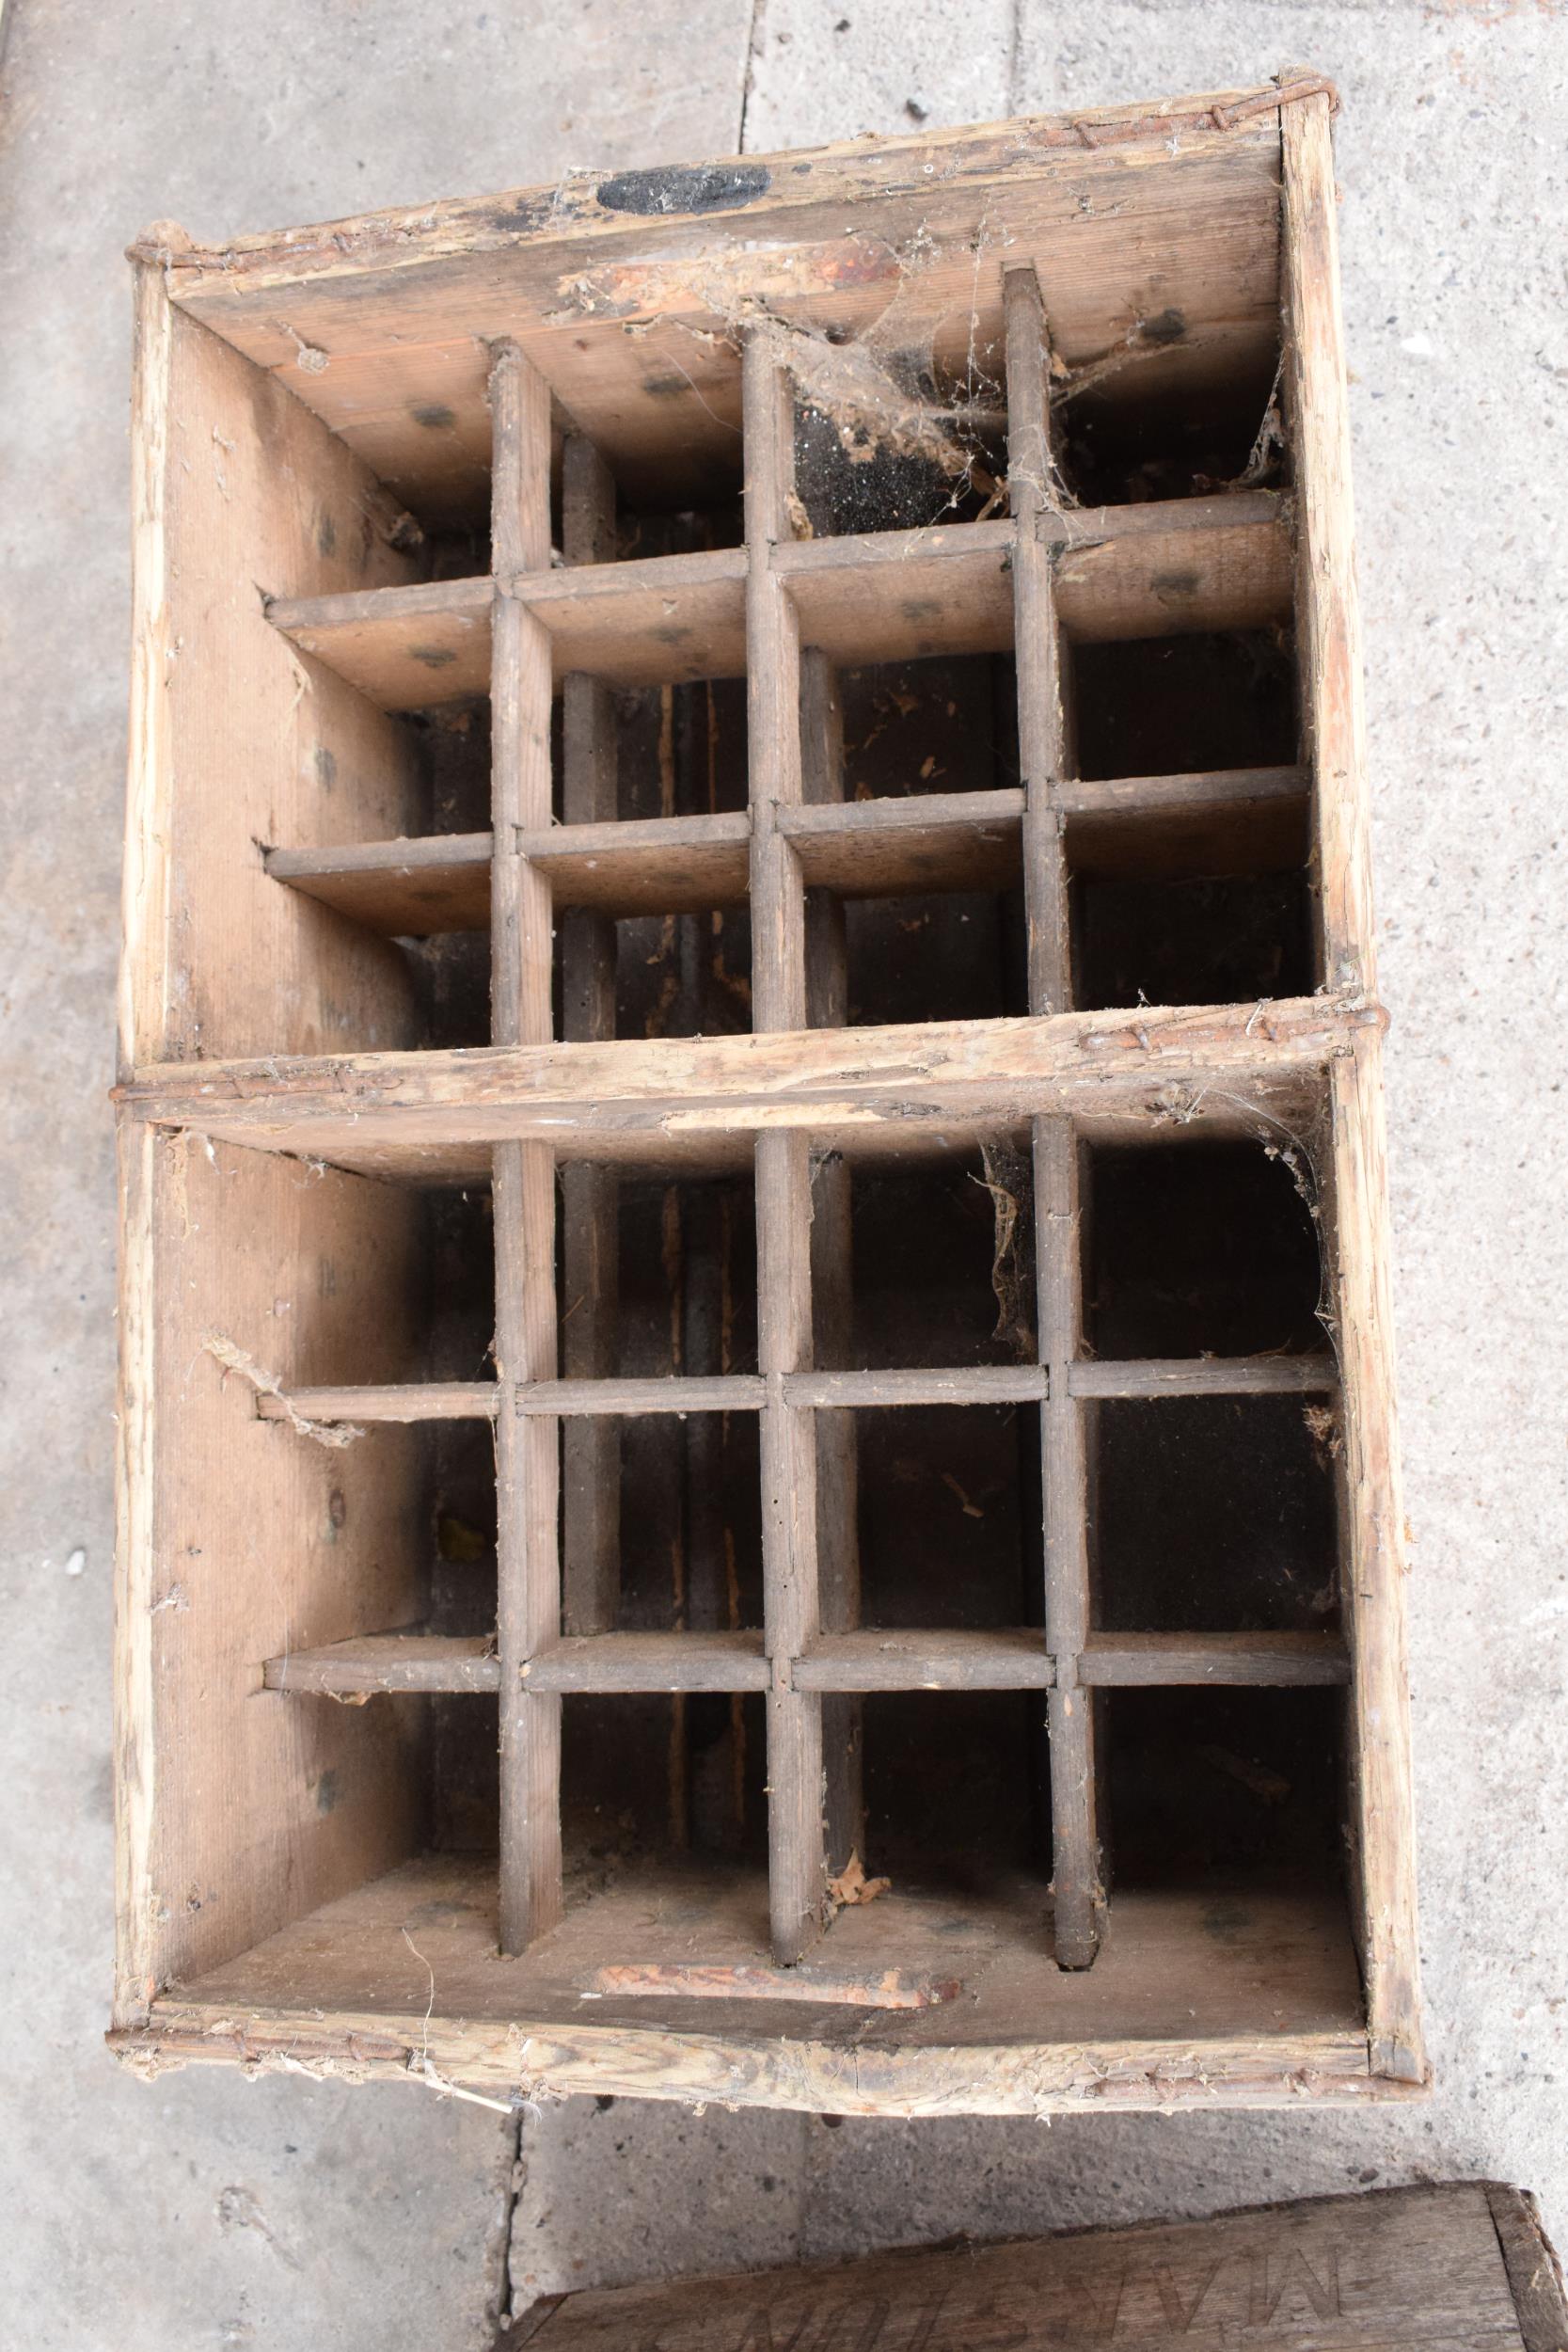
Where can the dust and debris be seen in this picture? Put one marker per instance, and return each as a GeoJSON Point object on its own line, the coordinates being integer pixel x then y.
{"type": "Point", "coordinates": [851, 1887]}
{"type": "Point", "coordinates": [1009, 1179]}
{"type": "Point", "coordinates": [1323, 1427]}
{"type": "Point", "coordinates": [234, 1358]}
{"type": "Point", "coordinates": [308, 357]}
{"type": "Point", "coordinates": [880, 395]}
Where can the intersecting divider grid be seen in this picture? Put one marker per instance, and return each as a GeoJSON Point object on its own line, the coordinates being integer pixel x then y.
{"type": "Point", "coordinates": [802, 1228]}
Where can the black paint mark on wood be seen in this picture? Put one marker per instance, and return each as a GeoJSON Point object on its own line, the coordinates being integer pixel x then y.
{"type": "Point", "coordinates": [685, 188]}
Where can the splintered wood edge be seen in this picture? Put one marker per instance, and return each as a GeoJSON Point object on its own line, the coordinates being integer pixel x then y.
{"type": "Point", "coordinates": [760, 187]}
{"type": "Point", "coordinates": [813, 1079]}
{"type": "Point", "coordinates": [521, 2059]}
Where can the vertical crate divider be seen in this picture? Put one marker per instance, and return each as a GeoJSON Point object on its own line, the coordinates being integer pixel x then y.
{"type": "Point", "coordinates": [796, 1799]}
{"type": "Point", "coordinates": [831, 1277]}
{"type": "Point", "coordinates": [1079, 1898]}
{"type": "Point", "coordinates": [527, 1446]}
{"type": "Point", "coordinates": [590, 1191]}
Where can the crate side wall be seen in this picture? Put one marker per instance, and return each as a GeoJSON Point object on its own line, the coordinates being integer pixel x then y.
{"type": "Point", "coordinates": [237, 741]}
{"type": "Point", "coordinates": [241, 1808]}
{"type": "Point", "coordinates": [1373, 1539]}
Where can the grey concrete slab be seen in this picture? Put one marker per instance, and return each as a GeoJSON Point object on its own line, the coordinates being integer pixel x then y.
{"type": "Point", "coordinates": [203, 2210]}
{"type": "Point", "coordinates": [1451, 165]}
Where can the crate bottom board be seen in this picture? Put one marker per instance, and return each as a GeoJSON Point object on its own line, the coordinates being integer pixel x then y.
{"type": "Point", "coordinates": [1221, 1995]}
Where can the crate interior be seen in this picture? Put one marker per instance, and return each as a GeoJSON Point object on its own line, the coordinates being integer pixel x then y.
{"type": "Point", "coordinates": [1176, 1325]}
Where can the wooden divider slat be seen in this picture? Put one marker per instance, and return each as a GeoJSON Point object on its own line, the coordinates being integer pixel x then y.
{"type": "Point", "coordinates": [720, 1659]}
{"type": "Point", "coordinates": [858, 848]}
{"type": "Point", "coordinates": [663, 621]}
{"type": "Point", "coordinates": [522, 1183]}
{"type": "Point", "coordinates": [1146, 1660]}
{"type": "Point", "coordinates": [836, 1665]}
{"type": "Point", "coordinates": [631, 1398]}
{"type": "Point", "coordinates": [838, 1565]}
{"type": "Point", "coordinates": [1033, 492]}
{"type": "Point", "coordinates": [403, 889]}
{"type": "Point", "coordinates": [797, 1863]}
{"type": "Point", "coordinates": [604, 1395]}
{"type": "Point", "coordinates": [374, 1662]}
{"type": "Point", "coordinates": [873, 1659]}
{"type": "Point", "coordinates": [647, 865]}
{"type": "Point", "coordinates": [1159, 569]}
{"type": "Point", "coordinates": [427, 1400]}
{"type": "Point", "coordinates": [962, 1384]}
{"type": "Point", "coordinates": [411, 648]}
{"type": "Point", "coordinates": [590, 1191]}
{"type": "Point", "coordinates": [1205, 1376]}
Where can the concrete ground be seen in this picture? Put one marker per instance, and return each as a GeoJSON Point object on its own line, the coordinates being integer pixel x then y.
{"type": "Point", "coordinates": [206, 2210]}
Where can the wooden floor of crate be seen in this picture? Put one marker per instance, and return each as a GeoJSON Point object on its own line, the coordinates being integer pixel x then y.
{"type": "Point", "coordinates": [1218, 1964]}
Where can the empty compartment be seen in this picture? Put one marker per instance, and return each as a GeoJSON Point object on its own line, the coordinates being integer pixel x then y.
{"type": "Point", "coordinates": [1170, 418]}
{"type": "Point", "coordinates": [956, 1793]}
{"type": "Point", "coordinates": [1176, 706]}
{"type": "Point", "coordinates": [652, 1786]}
{"type": "Point", "coordinates": [945, 724]}
{"type": "Point", "coordinates": [1199, 1248]}
{"type": "Point", "coordinates": [1213, 1515]}
{"type": "Point", "coordinates": [1228, 1792]}
{"type": "Point", "coordinates": [948, 1519]}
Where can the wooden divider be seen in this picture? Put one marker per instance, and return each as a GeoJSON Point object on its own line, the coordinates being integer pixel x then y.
{"type": "Point", "coordinates": [831, 1277]}
{"type": "Point", "coordinates": [521, 939]}
{"type": "Point", "coordinates": [1033, 492]}
{"type": "Point", "coordinates": [797, 1802]}
{"type": "Point", "coordinates": [590, 1191]}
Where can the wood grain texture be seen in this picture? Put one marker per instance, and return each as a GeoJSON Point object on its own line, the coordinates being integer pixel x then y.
{"type": "Point", "coordinates": [1534, 2272]}
{"type": "Point", "coordinates": [1205, 1376]}
{"type": "Point", "coordinates": [528, 1560]}
{"type": "Point", "coordinates": [420, 647]}
{"type": "Point", "coordinates": [1372, 1564]}
{"type": "Point", "coordinates": [528, 1460]}
{"type": "Point", "coordinates": [1371, 1510]}
{"type": "Point", "coordinates": [590, 1194]}
{"type": "Point", "coordinates": [831, 1212]}
{"type": "Point", "coordinates": [397, 1400]}
{"type": "Point", "coordinates": [1130, 1661]}
{"type": "Point", "coordinates": [689, 1660]}
{"type": "Point", "coordinates": [1329, 626]}
{"type": "Point", "coordinates": [630, 1397]}
{"type": "Point", "coordinates": [408, 889]}
{"type": "Point", "coordinates": [1036, 496]}
{"type": "Point", "coordinates": [843, 1083]}
{"type": "Point", "coordinates": [1109, 203]}
{"type": "Point", "coordinates": [372, 1664]}
{"type": "Point", "coordinates": [873, 1659]}
{"type": "Point", "coordinates": [797, 1866]}
{"type": "Point", "coordinates": [235, 1813]}
{"type": "Point", "coordinates": [234, 482]}
{"type": "Point", "coordinates": [1398, 2270]}
{"type": "Point", "coordinates": [1171, 2015]}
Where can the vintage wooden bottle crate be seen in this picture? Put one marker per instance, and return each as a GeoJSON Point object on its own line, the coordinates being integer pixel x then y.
{"type": "Point", "coordinates": [757, 1436]}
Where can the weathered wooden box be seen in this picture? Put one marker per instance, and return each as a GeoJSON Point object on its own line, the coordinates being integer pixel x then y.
{"type": "Point", "coordinates": [757, 1436]}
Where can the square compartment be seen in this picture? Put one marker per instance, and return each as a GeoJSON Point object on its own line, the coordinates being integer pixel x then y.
{"type": "Point", "coordinates": [1213, 1515]}
{"type": "Point", "coordinates": [1200, 1248]}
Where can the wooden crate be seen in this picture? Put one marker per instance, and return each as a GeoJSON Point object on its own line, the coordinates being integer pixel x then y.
{"type": "Point", "coordinates": [1450, 2267]}
{"type": "Point", "coordinates": [871, 637]}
